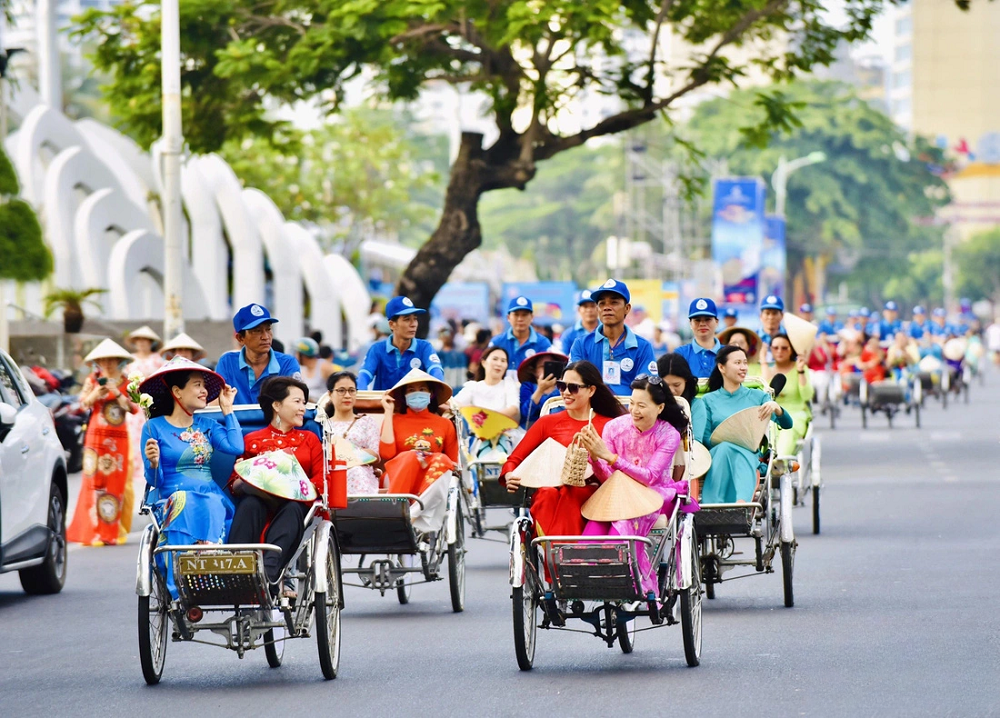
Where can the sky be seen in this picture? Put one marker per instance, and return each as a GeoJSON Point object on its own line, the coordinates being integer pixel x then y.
{"type": "Point", "coordinates": [882, 42]}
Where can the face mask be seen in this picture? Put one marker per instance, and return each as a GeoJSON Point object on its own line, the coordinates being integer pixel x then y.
{"type": "Point", "coordinates": [418, 400]}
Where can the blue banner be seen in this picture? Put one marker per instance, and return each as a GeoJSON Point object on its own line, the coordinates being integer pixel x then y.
{"type": "Point", "coordinates": [462, 300]}
{"type": "Point", "coordinates": [738, 237]}
{"type": "Point", "coordinates": [773, 258]}
{"type": "Point", "coordinates": [553, 301]}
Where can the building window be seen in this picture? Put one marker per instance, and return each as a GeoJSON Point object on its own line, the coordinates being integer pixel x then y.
{"type": "Point", "coordinates": [900, 79]}
{"type": "Point", "coordinates": [902, 106]}
{"type": "Point", "coordinates": [904, 26]}
{"type": "Point", "coordinates": [904, 53]}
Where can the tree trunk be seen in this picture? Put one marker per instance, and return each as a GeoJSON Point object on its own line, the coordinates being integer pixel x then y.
{"type": "Point", "coordinates": [474, 172]}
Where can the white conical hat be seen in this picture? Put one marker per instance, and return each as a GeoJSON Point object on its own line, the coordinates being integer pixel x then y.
{"type": "Point", "coordinates": [744, 428]}
{"type": "Point", "coordinates": [144, 332]}
{"type": "Point", "coordinates": [801, 334]}
{"type": "Point", "coordinates": [621, 497]}
{"type": "Point", "coordinates": [183, 341]}
{"type": "Point", "coordinates": [108, 349]}
{"type": "Point", "coordinates": [701, 460]}
{"type": "Point", "coordinates": [543, 466]}
{"type": "Point", "coordinates": [954, 349]}
{"type": "Point", "coordinates": [416, 376]}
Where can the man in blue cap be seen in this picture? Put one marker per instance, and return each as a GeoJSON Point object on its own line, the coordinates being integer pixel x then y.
{"type": "Point", "coordinates": [618, 352]}
{"type": "Point", "coordinates": [700, 353]}
{"type": "Point", "coordinates": [806, 311]}
{"type": "Point", "coordinates": [830, 326]}
{"type": "Point", "coordinates": [772, 312]}
{"type": "Point", "coordinates": [885, 328]}
{"type": "Point", "coordinates": [729, 318]}
{"type": "Point", "coordinates": [939, 322]}
{"type": "Point", "coordinates": [255, 361]}
{"type": "Point", "coordinates": [520, 341]}
{"type": "Point", "coordinates": [391, 359]}
{"type": "Point", "coordinates": [586, 309]}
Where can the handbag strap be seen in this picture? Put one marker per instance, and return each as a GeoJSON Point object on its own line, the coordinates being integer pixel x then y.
{"type": "Point", "coordinates": [348, 429]}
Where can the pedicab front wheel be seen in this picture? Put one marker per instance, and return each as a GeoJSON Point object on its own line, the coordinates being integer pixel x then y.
{"type": "Point", "coordinates": [153, 623]}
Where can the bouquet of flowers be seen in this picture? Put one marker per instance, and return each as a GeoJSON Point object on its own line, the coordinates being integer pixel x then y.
{"type": "Point", "coordinates": [145, 401]}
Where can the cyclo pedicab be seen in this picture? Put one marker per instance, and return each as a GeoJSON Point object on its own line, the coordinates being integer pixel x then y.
{"type": "Point", "coordinates": [596, 579]}
{"type": "Point", "coordinates": [377, 532]}
{"type": "Point", "coordinates": [480, 460]}
{"type": "Point", "coordinates": [766, 520]}
{"type": "Point", "coordinates": [890, 396]}
{"type": "Point", "coordinates": [223, 589]}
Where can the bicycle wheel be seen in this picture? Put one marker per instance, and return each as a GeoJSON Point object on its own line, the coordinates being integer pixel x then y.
{"type": "Point", "coordinates": [456, 563]}
{"type": "Point", "coordinates": [327, 606]}
{"type": "Point", "coordinates": [153, 623]}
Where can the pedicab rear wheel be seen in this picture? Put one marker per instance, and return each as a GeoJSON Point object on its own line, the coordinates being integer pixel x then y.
{"type": "Point", "coordinates": [787, 565]}
{"type": "Point", "coordinates": [456, 563]}
{"type": "Point", "coordinates": [153, 624]}
{"type": "Point", "coordinates": [327, 605]}
{"type": "Point", "coordinates": [691, 603]}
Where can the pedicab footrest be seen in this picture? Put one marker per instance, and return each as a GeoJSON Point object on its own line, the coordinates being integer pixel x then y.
{"type": "Point", "coordinates": [593, 571]}
{"type": "Point", "coordinates": [213, 576]}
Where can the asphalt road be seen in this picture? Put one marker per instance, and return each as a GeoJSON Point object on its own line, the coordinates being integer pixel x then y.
{"type": "Point", "coordinates": [895, 615]}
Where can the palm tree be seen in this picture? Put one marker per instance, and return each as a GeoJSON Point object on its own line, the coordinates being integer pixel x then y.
{"type": "Point", "coordinates": [71, 302]}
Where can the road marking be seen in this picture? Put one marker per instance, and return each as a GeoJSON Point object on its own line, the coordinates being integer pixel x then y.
{"type": "Point", "coordinates": [951, 479]}
{"type": "Point", "coordinates": [875, 438]}
{"type": "Point", "coordinates": [946, 436]}
{"type": "Point", "coordinates": [939, 465]}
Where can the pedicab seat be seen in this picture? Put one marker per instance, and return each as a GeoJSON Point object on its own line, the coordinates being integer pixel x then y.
{"type": "Point", "coordinates": [376, 525]}
{"type": "Point", "coordinates": [886, 392]}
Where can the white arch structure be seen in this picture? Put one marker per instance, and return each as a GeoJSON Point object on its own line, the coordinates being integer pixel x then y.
{"type": "Point", "coordinates": [95, 192]}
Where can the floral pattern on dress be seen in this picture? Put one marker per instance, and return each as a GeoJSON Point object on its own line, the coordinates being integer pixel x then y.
{"type": "Point", "coordinates": [201, 447]}
{"type": "Point", "coordinates": [365, 435]}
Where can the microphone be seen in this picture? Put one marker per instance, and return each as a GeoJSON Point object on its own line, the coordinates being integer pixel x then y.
{"type": "Point", "coordinates": [778, 383]}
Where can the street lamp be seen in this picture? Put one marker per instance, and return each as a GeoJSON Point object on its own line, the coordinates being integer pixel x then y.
{"type": "Point", "coordinates": [779, 180]}
{"type": "Point", "coordinates": [173, 145]}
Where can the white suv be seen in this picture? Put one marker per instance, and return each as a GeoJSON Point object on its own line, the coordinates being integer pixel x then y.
{"type": "Point", "coordinates": [32, 487]}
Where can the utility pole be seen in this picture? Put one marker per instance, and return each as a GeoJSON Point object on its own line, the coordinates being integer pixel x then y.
{"type": "Point", "coordinates": [173, 145]}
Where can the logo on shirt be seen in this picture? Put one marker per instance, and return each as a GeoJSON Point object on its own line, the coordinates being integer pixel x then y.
{"type": "Point", "coordinates": [530, 353]}
{"type": "Point", "coordinates": [414, 363]}
{"type": "Point", "coordinates": [610, 283]}
{"type": "Point", "coordinates": [627, 364]}
{"type": "Point", "coordinates": [522, 302]}
{"type": "Point", "coordinates": [434, 358]}
{"type": "Point", "coordinates": [407, 301]}
{"type": "Point", "coordinates": [257, 310]}
{"type": "Point", "coordinates": [702, 304]}
{"type": "Point", "coordinates": [652, 368]}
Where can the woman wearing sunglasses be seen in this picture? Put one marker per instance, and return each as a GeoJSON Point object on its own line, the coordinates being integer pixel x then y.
{"type": "Point", "coordinates": [733, 475]}
{"type": "Point", "coordinates": [642, 445]}
{"type": "Point", "coordinates": [557, 510]}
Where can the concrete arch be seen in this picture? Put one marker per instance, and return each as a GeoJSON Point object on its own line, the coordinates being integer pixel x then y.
{"type": "Point", "coordinates": [127, 162]}
{"type": "Point", "coordinates": [104, 210]}
{"type": "Point", "coordinates": [43, 127]}
{"type": "Point", "coordinates": [72, 169]}
{"type": "Point", "coordinates": [354, 298]}
{"type": "Point", "coordinates": [286, 279]}
{"type": "Point", "coordinates": [324, 312]}
{"type": "Point", "coordinates": [211, 260]}
{"type": "Point", "coordinates": [139, 255]}
{"type": "Point", "coordinates": [247, 250]}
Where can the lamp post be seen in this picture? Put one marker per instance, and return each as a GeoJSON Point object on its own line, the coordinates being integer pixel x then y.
{"type": "Point", "coordinates": [173, 145]}
{"type": "Point", "coordinates": [779, 180]}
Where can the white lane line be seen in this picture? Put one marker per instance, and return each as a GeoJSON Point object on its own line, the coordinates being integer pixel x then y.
{"type": "Point", "coordinates": [946, 436]}
{"type": "Point", "coordinates": [874, 438]}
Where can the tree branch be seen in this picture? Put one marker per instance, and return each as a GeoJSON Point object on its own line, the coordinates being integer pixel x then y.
{"type": "Point", "coordinates": [660, 17]}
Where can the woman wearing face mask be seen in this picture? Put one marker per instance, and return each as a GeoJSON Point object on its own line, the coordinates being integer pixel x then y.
{"type": "Point", "coordinates": [496, 392]}
{"type": "Point", "coordinates": [420, 448]}
{"type": "Point", "coordinates": [733, 474]}
{"type": "Point", "coordinates": [642, 445]}
{"type": "Point", "coordinates": [557, 509]}
{"type": "Point", "coordinates": [261, 517]}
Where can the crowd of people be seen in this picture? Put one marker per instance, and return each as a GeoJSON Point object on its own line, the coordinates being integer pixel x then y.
{"type": "Point", "coordinates": [590, 367]}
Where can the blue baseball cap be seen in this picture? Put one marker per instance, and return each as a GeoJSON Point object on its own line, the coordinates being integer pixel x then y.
{"type": "Point", "coordinates": [772, 302]}
{"type": "Point", "coordinates": [891, 306]}
{"type": "Point", "coordinates": [520, 304]}
{"type": "Point", "coordinates": [250, 316]}
{"type": "Point", "coordinates": [806, 308]}
{"type": "Point", "coordinates": [939, 312]}
{"type": "Point", "coordinates": [702, 307]}
{"type": "Point", "coordinates": [831, 311]}
{"type": "Point", "coordinates": [612, 286]}
{"type": "Point", "coordinates": [919, 310]}
{"type": "Point", "coordinates": [399, 306]}
{"type": "Point", "coordinates": [730, 312]}
{"type": "Point", "coordinates": [852, 314]}
{"type": "Point", "coordinates": [584, 297]}
{"type": "Point", "coordinates": [965, 303]}
{"type": "Point", "coordinates": [864, 312]}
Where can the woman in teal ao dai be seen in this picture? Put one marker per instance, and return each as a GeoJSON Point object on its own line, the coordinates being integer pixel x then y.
{"type": "Point", "coordinates": [733, 474]}
{"type": "Point", "coordinates": [178, 446]}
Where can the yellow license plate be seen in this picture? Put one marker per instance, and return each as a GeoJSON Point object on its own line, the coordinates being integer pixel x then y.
{"type": "Point", "coordinates": [194, 564]}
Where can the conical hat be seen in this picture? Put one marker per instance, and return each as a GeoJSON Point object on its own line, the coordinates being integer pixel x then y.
{"type": "Point", "coordinates": [416, 376]}
{"type": "Point", "coordinates": [801, 334]}
{"type": "Point", "coordinates": [486, 423]}
{"type": "Point", "coordinates": [543, 466]}
{"type": "Point", "coordinates": [108, 349]}
{"type": "Point", "coordinates": [954, 349]}
{"type": "Point", "coordinates": [744, 428]}
{"type": "Point", "coordinates": [929, 364]}
{"type": "Point", "coordinates": [277, 473]}
{"type": "Point", "coordinates": [621, 497]}
{"type": "Point", "coordinates": [753, 338]}
{"type": "Point", "coordinates": [701, 460]}
{"type": "Point", "coordinates": [526, 370]}
{"type": "Point", "coordinates": [144, 332]}
{"type": "Point", "coordinates": [183, 341]}
{"type": "Point", "coordinates": [350, 454]}
{"type": "Point", "coordinates": [157, 388]}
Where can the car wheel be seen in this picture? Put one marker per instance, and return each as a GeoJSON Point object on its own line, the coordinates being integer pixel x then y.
{"type": "Point", "coordinates": [50, 576]}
